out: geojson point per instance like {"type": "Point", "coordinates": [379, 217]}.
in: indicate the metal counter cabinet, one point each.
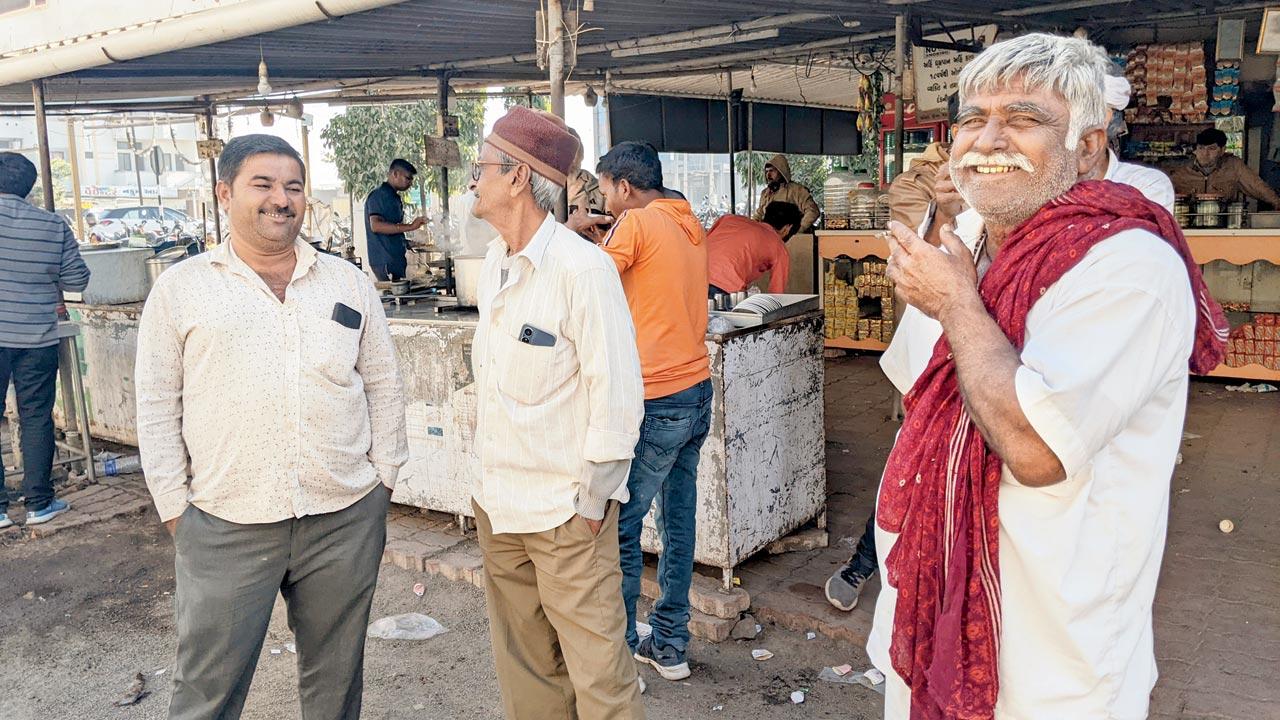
{"type": "Point", "coordinates": [763, 468]}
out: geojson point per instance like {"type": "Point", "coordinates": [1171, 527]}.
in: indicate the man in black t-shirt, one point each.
{"type": "Point", "coordinates": [384, 222]}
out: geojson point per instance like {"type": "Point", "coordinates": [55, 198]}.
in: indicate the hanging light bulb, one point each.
{"type": "Point", "coordinates": [590, 97]}
{"type": "Point", "coordinates": [264, 86]}
{"type": "Point", "coordinates": [266, 117]}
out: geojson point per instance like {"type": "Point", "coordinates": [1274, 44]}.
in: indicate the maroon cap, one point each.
{"type": "Point", "coordinates": [539, 139]}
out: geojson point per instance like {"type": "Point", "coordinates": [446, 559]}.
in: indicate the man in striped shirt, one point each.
{"type": "Point", "coordinates": [39, 258]}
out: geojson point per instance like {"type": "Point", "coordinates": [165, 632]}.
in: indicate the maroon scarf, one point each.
{"type": "Point", "coordinates": [940, 490]}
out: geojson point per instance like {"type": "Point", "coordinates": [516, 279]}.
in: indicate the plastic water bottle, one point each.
{"type": "Point", "coordinates": [118, 466]}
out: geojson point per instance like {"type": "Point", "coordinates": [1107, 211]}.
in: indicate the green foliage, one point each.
{"type": "Point", "coordinates": [808, 170]}
{"type": "Point", "coordinates": [63, 196]}
{"type": "Point", "coordinates": [540, 102]}
{"type": "Point", "coordinates": [364, 140]}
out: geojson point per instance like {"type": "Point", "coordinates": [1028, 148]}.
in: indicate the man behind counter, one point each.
{"type": "Point", "coordinates": [1212, 170]}
{"type": "Point", "coordinates": [740, 250]}
{"type": "Point", "coordinates": [384, 222]}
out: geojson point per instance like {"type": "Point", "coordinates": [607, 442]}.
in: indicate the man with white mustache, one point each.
{"type": "Point", "coordinates": [271, 425]}
{"type": "Point", "coordinates": [1022, 512]}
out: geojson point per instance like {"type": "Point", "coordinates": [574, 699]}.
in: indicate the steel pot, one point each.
{"type": "Point", "coordinates": [466, 278]}
{"type": "Point", "coordinates": [162, 261]}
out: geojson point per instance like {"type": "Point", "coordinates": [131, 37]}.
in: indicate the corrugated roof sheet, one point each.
{"type": "Point", "coordinates": [404, 40]}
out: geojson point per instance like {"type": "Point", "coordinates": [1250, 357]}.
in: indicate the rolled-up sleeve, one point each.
{"type": "Point", "coordinates": [379, 368]}
{"type": "Point", "coordinates": [1093, 362]}
{"type": "Point", "coordinates": [158, 382]}
{"type": "Point", "coordinates": [601, 328]}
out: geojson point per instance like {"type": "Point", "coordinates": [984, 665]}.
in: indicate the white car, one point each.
{"type": "Point", "coordinates": [148, 220]}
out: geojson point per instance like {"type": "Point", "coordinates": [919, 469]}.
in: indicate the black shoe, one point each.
{"type": "Point", "coordinates": [844, 587]}
{"type": "Point", "coordinates": [668, 661]}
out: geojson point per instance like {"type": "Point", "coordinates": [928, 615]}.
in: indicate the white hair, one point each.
{"type": "Point", "coordinates": [1072, 67]}
{"type": "Point", "coordinates": [546, 193]}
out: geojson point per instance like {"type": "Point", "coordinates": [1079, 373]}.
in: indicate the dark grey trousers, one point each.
{"type": "Point", "coordinates": [325, 566]}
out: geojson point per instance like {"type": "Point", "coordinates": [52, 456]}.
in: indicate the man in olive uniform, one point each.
{"type": "Point", "coordinates": [780, 188]}
{"type": "Point", "coordinates": [1212, 170]}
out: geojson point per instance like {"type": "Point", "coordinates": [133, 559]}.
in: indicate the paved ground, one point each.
{"type": "Point", "coordinates": [89, 607]}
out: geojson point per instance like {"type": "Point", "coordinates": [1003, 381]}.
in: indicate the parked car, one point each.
{"type": "Point", "coordinates": [151, 221]}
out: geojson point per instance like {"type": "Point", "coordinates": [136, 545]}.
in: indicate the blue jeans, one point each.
{"type": "Point", "coordinates": [34, 372]}
{"type": "Point", "coordinates": [665, 469]}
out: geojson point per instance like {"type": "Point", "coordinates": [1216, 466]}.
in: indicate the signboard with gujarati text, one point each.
{"type": "Point", "coordinates": [937, 72]}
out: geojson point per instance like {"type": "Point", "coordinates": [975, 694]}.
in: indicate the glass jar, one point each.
{"type": "Point", "coordinates": [862, 206]}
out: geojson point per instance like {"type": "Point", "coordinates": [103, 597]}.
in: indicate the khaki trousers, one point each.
{"type": "Point", "coordinates": [558, 623]}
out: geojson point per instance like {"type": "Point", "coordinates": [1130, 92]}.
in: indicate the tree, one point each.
{"type": "Point", "coordinates": [808, 170]}
{"type": "Point", "coordinates": [364, 140]}
{"type": "Point", "coordinates": [540, 102]}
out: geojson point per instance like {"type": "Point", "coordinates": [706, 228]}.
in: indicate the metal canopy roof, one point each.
{"type": "Point", "coordinates": [406, 45]}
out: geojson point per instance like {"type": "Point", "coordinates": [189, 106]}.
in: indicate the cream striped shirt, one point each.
{"type": "Point", "coordinates": [552, 419]}
{"type": "Point", "coordinates": [257, 410]}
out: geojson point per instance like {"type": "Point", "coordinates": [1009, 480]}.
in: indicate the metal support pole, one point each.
{"type": "Point", "coordinates": [73, 157]}
{"type": "Point", "coordinates": [306, 176]}
{"type": "Point", "coordinates": [442, 87]}
{"type": "Point", "coordinates": [555, 67]}
{"type": "Point", "coordinates": [751, 157]}
{"type": "Point", "coordinates": [136, 160]}
{"type": "Point", "coordinates": [733, 184]}
{"type": "Point", "coordinates": [42, 134]}
{"type": "Point", "coordinates": [211, 132]}
{"type": "Point", "coordinates": [900, 109]}
{"type": "Point", "coordinates": [555, 63]}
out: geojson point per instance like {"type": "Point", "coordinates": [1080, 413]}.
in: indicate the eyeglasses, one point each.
{"type": "Point", "coordinates": [476, 167]}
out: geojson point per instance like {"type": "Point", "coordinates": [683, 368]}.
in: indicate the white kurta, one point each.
{"type": "Point", "coordinates": [1151, 182]}
{"type": "Point", "coordinates": [1104, 382]}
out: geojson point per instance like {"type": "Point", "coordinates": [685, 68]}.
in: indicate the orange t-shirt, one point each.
{"type": "Point", "coordinates": [740, 250]}
{"type": "Point", "coordinates": [661, 254]}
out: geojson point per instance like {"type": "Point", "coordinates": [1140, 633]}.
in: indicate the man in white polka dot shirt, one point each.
{"type": "Point", "coordinates": [271, 425]}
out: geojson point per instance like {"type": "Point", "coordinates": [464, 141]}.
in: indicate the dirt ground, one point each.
{"type": "Point", "coordinates": [85, 610]}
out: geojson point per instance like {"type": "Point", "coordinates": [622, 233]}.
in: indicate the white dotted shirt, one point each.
{"type": "Point", "coordinates": [257, 410]}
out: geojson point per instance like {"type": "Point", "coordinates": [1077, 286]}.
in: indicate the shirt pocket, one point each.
{"type": "Point", "coordinates": [532, 374]}
{"type": "Point", "coordinates": [329, 348]}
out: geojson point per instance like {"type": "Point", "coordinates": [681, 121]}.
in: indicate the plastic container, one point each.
{"type": "Point", "coordinates": [862, 206]}
{"type": "Point", "coordinates": [835, 197]}
{"type": "Point", "coordinates": [118, 466]}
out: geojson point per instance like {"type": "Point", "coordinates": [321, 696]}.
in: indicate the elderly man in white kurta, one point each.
{"type": "Point", "coordinates": [1022, 512]}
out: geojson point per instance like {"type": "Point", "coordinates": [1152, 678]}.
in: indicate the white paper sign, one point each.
{"type": "Point", "coordinates": [937, 71]}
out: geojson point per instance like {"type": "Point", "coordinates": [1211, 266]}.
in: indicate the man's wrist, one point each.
{"type": "Point", "coordinates": [967, 303]}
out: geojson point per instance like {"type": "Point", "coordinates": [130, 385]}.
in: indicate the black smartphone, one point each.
{"type": "Point", "coordinates": [531, 335]}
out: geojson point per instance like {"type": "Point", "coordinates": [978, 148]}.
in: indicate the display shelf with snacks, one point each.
{"type": "Point", "coordinates": [1242, 269]}
{"type": "Point", "coordinates": [1168, 83]}
{"type": "Point", "coordinates": [857, 297]}
{"type": "Point", "coordinates": [1253, 350]}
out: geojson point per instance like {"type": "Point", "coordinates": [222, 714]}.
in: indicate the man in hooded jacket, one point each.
{"type": "Point", "coordinates": [780, 188]}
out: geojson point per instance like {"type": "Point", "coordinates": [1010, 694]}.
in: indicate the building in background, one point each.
{"type": "Point", "coordinates": [120, 159]}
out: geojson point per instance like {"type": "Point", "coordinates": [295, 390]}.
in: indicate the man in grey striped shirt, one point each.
{"type": "Point", "coordinates": [39, 258]}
